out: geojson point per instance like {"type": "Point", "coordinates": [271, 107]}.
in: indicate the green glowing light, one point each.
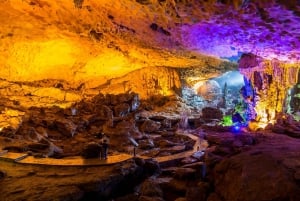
{"type": "Point", "coordinates": [227, 121]}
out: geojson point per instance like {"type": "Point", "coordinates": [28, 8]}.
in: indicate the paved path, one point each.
{"type": "Point", "coordinates": [182, 154]}
{"type": "Point", "coordinates": [67, 161]}
{"type": "Point", "coordinates": [79, 161]}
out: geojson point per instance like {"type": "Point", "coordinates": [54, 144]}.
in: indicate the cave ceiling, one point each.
{"type": "Point", "coordinates": [96, 40]}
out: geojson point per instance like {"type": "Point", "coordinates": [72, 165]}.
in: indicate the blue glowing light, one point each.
{"type": "Point", "coordinates": [236, 128]}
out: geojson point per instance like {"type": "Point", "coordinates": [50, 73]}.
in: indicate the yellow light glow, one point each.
{"type": "Point", "coordinates": [33, 60]}
{"type": "Point", "coordinates": [197, 85]}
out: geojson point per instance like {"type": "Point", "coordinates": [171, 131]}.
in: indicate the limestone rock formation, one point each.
{"type": "Point", "coordinates": [72, 70]}
{"type": "Point", "coordinates": [251, 175]}
{"type": "Point", "coordinates": [247, 166]}
{"type": "Point", "coordinates": [92, 42]}
{"type": "Point", "coordinates": [271, 81]}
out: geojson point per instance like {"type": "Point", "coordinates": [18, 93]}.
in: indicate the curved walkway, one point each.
{"type": "Point", "coordinates": [79, 161]}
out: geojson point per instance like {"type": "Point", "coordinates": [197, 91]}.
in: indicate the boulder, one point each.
{"type": "Point", "coordinates": [10, 122]}
{"type": "Point", "coordinates": [125, 98]}
{"type": "Point", "coordinates": [42, 131]}
{"type": "Point", "coordinates": [104, 112]}
{"type": "Point", "coordinates": [152, 167]}
{"type": "Point", "coordinates": [65, 127]}
{"type": "Point", "coordinates": [8, 131]}
{"type": "Point", "coordinates": [122, 110]}
{"type": "Point", "coordinates": [38, 147]}
{"type": "Point", "coordinates": [176, 187]}
{"type": "Point", "coordinates": [91, 150]}
{"type": "Point", "coordinates": [199, 192]}
{"type": "Point", "coordinates": [165, 143]}
{"type": "Point", "coordinates": [185, 173]}
{"type": "Point", "coordinates": [2, 174]}
{"type": "Point", "coordinates": [150, 126]}
{"type": "Point", "coordinates": [157, 118]}
{"type": "Point", "coordinates": [173, 150]}
{"type": "Point", "coordinates": [151, 188]}
{"type": "Point", "coordinates": [85, 107]}
{"type": "Point", "coordinates": [111, 99]}
{"type": "Point", "coordinates": [212, 113]}
{"type": "Point", "coordinates": [146, 144]}
{"type": "Point", "coordinates": [260, 172]}
{"type": "Point", "coordinates": [98, 99]}
{"type": "Point", "coordinates": [54, 151]}
{"type": "Point", "coordinates": [125, 128]}
{"type": "Point", "coordinates": [31, 134]}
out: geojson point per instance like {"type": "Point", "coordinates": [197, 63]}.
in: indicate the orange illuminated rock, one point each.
{"type": "Point", "coordinates": [271, 81]}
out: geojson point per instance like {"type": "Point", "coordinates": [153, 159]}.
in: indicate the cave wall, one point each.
{"type": "Point", "coordinates": [146, 82]}
{"type": "Point", "coordinates": [88, 42]}
{"type": "Point", "coordinates": [117, 46]}
{"type": "Point", "coordinates": [93, 41]}
{"type": "Point", "coordinates": [271, 80]}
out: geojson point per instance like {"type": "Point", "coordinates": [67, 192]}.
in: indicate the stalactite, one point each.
{"type": "Point", "coordinates": [271, 81]}
{"type": "Point", "coordinates": [78, 3]}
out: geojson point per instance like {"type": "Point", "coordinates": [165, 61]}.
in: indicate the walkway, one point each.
{"type": "Point", "coordinates": [79, 161]}
{"type": "Point", "coordinates": [67, 161]}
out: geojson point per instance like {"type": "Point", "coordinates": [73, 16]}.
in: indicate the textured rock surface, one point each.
{"type": "Point", "coordinates": [91, 43]}
{"type": "Point", "coordinates": [54, 54]}
{"type": "Point", "coordinates": [256, 172]}
{"type": "Point", "coordinates": [100, 40]}
{"type": "Point", "coordinates": [77, 130]}
{"type": "Point", "coordinates": [67, 183]}
{"type": "Point", "coordinates": [271, 81]}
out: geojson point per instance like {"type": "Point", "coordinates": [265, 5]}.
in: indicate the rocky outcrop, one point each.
{"type": "Point", "coordinates": [10, 122]}
{"type": "Point", "coordinates": [285, 124]}
{"type": "Point", "coordinates": [77, 130]}
{"type": "Point", "coordinates": [247, 171]}
{"type": "Point", "coordinates": [150, 126]}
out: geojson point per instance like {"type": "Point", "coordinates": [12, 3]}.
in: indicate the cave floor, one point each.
{"type": "Point", "coordinates": [80, 161]}
{"type": "Point", "coordinates": [232, 159]}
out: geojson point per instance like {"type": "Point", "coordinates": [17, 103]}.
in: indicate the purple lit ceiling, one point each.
{"type": "Point", "coordinates": [269, 30]}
